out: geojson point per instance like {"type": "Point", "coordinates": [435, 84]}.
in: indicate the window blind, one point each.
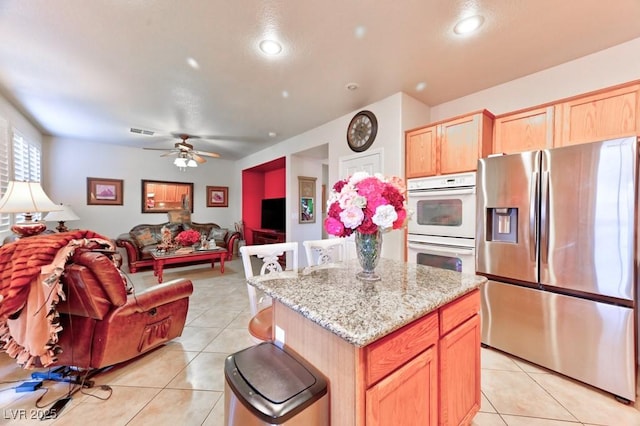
{"type": "Point", "coordinates": [5, 218]}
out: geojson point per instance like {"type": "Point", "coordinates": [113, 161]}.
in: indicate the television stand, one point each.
{"type": "Point", "coordinates": [268, 236]}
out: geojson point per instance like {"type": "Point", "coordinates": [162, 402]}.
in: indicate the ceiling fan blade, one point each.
{"type": "Point", "coordinates": [159, 149]}
{"type": "Point", "coordinates": [208, 154]}
{"type": "Point", "coordinates": [166, 154]}
{"type": "Point", "coordinates": [198, 158]}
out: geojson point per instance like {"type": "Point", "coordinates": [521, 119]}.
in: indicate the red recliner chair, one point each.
{"type": "Point", "coordinates": [102, 325]}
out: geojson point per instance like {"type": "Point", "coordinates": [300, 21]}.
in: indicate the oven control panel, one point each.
{"type": "Point", "coordinates": [445, 181]}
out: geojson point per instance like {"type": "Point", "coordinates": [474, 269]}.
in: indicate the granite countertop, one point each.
{"type": "Point", "coordinates": [361, 312]}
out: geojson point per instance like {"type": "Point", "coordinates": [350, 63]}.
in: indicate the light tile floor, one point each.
{"type": "Point", "coordinates": [182, 383]}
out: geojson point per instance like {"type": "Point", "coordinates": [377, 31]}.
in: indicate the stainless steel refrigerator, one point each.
{"type": "Point", "coordinates": [556, 235]}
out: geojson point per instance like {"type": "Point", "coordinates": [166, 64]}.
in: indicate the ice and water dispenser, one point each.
{"type": "Point", "coordinates": [502, 224]}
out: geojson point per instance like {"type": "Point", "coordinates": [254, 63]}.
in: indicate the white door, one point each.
{"type": "Point", "coordinates": [370, 162]}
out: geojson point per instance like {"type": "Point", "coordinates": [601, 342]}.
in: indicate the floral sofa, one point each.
{"type": "Point", "coordinates": [142, 239]}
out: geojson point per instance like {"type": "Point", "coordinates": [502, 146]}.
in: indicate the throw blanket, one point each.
{"type": "Point", "coordinates": [30, 269]}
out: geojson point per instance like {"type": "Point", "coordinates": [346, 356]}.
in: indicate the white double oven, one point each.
{"type": "Point", "coordinates": [442, 228]}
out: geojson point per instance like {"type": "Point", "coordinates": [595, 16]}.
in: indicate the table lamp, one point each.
{"type": "Point", "coordinates": [26, 198]}
{"type": "Point", "coordinates": [62, 216]}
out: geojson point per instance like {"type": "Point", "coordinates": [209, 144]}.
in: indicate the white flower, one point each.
{"type": "Point", "coordinates": [357, 177]}
{"type": "Point", "coordinates": [352, 217]}
{"type": "Point", "coordinates": [384, 216]}
{"type": "Point", "coordinates": [352, 199]}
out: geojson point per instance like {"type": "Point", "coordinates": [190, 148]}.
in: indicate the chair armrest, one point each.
{"type": "Point", "coordinates": [231, 239]}
{"type": "Point", "coordinates": [157, 295]}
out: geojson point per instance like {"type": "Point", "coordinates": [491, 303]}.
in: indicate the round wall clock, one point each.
{"type": "Point", "coordinates": [362, 131]}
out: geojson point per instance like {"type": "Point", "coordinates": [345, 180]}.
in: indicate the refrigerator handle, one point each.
{"type": "Point", "coordinates": [533, 209]}
{"type": "Point", "coordinates": [544, 219]}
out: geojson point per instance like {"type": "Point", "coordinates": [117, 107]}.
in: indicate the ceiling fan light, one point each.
{"type": "Point", "coordinates": [192, 163]}
{"type": "Point", "coordinates": [180, 162]}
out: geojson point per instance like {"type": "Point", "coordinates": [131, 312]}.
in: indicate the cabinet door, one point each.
{"type": "Point", "coordinates": [524, 131]}
{"type": "Point", "coordinates": [421, 152]}
{"type": "Point", "coordinates": [459, 359]}
{"type": "Point", "coordinates": [604, 115]}
{"type": "Point", "coordinates": [171, 193]}
{"type": "Point", "coordinates": [408, 396]}
{"type": "Point", "coordinates": [459, 144]}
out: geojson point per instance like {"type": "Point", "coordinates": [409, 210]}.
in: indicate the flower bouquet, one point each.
{"type": "Point", "coordinates": [188, 237]}
{"type": "Point", "coordinates": [367, 205]}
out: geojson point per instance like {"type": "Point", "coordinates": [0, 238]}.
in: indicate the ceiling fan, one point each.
{"type": "Point", "coordinates": [187, 156]}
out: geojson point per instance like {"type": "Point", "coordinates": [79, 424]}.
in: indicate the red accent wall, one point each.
{"type": "Point", "coordinates": [274, 184]}
{"type": "Point", "coordinates": [263, 181]}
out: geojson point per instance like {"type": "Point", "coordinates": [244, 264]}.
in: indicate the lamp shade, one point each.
{"type": "Point", "coordinates": [26, 197]}
{"type": "Point", "coordinates": [64, 215]}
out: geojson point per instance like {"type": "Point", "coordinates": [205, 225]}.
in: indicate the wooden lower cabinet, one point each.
{"type": "Point", "coordinates": [425, 373]}
{"type": "Point", "coordinates": [460, 373]}
{"type": "Point", "coordinates": [408, 396]}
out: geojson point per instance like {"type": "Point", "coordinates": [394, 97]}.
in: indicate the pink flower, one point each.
{"type": "Point", "coordinates": [333, 226]}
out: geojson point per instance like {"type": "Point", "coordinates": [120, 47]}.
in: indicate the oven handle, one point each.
{"type": "Point", "coordinates": [441, 249]}
{"type": "Point", "coordinates": [440, 192]}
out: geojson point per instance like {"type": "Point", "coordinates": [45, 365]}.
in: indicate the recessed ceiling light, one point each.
{"type": "Point", "coordinates": [193, 63]}
{"type": "Point", "coordinates": [285, 94]}
{"type": "Point", "coordinates": [421, 86]}
{"type": "Point", "coordinates": [272, 134]}
{"type": "Point", "coordinates": [270, 47]}
{"type": "Point", "coordinates": [352, 86]}
{"type": "Point", "coordinates": [360, 31]}
{"type": "Point", "coordinates": [468, 25]}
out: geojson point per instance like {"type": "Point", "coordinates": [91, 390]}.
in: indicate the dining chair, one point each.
{"type": "Point", "coordinates": [324, 252]}
{"type": "Point", "coordinates": [261, 323]}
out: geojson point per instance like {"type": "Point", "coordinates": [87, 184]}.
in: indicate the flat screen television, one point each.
{"type": "Point", "coordinates": [273, 214]}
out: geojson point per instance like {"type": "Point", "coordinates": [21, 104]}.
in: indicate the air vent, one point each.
{"type": "Point", "coordinates": [142, 132]}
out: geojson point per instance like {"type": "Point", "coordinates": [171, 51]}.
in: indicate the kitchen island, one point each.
{"type": "Point", "coordinates": [404, 350]}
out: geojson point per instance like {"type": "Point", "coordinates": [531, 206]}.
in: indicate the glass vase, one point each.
{"type": "Point", "coordinates": [368, 248]}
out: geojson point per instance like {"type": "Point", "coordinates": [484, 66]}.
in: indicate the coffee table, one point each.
{"type": "Point", "coordinates": [161, 259]}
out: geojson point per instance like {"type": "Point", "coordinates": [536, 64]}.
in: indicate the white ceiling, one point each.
{"type": "Point", "coordinates": [94, 69]}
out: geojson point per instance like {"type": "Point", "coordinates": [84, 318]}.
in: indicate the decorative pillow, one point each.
{"type": "Point", "coordinates": [179, 216]}
{"type": "Point", "coordinates": [144, 237]}
{"type": "Point", "coordinates": [175, 229]}
{"type": "Point", "coordinates": [218, 234]}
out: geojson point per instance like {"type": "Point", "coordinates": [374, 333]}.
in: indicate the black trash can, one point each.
{"type": "Point", "coordinates": [266, 385]}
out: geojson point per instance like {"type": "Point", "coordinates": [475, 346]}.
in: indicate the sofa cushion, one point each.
{"type": "Point", "coordinates": [218, 234]}
{"type": "Point", "coordinates": [143, 237]}
{"type": "Point", "coordinates": [175, 229]}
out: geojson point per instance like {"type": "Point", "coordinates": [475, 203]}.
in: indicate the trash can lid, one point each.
{"type": "Point", "coordinates": [272, 383]}
{"type": "Point", "coordinates": [273, 373]}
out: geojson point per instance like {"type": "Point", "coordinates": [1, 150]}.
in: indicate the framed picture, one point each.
{"type": "Point", "coordinates": [307, 204]}
{"type": "Point", "coordinates": [160, 196]}
{"type": "Point", "coordinates": [217, 196]}
{"type": "Point", "coordinates": [104, 192]}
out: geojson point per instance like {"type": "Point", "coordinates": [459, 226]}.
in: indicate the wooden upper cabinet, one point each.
{"type": "Point", "coordinates": [523, 131]}
{"type": "Point", "coordinates": [420, 151]}
{"type": "Point", "coordinates": [607, 114]}
{"type": "Point", "coordinates": [463, 141]}
{"type": "Point", "coordinates": [451, 146]}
